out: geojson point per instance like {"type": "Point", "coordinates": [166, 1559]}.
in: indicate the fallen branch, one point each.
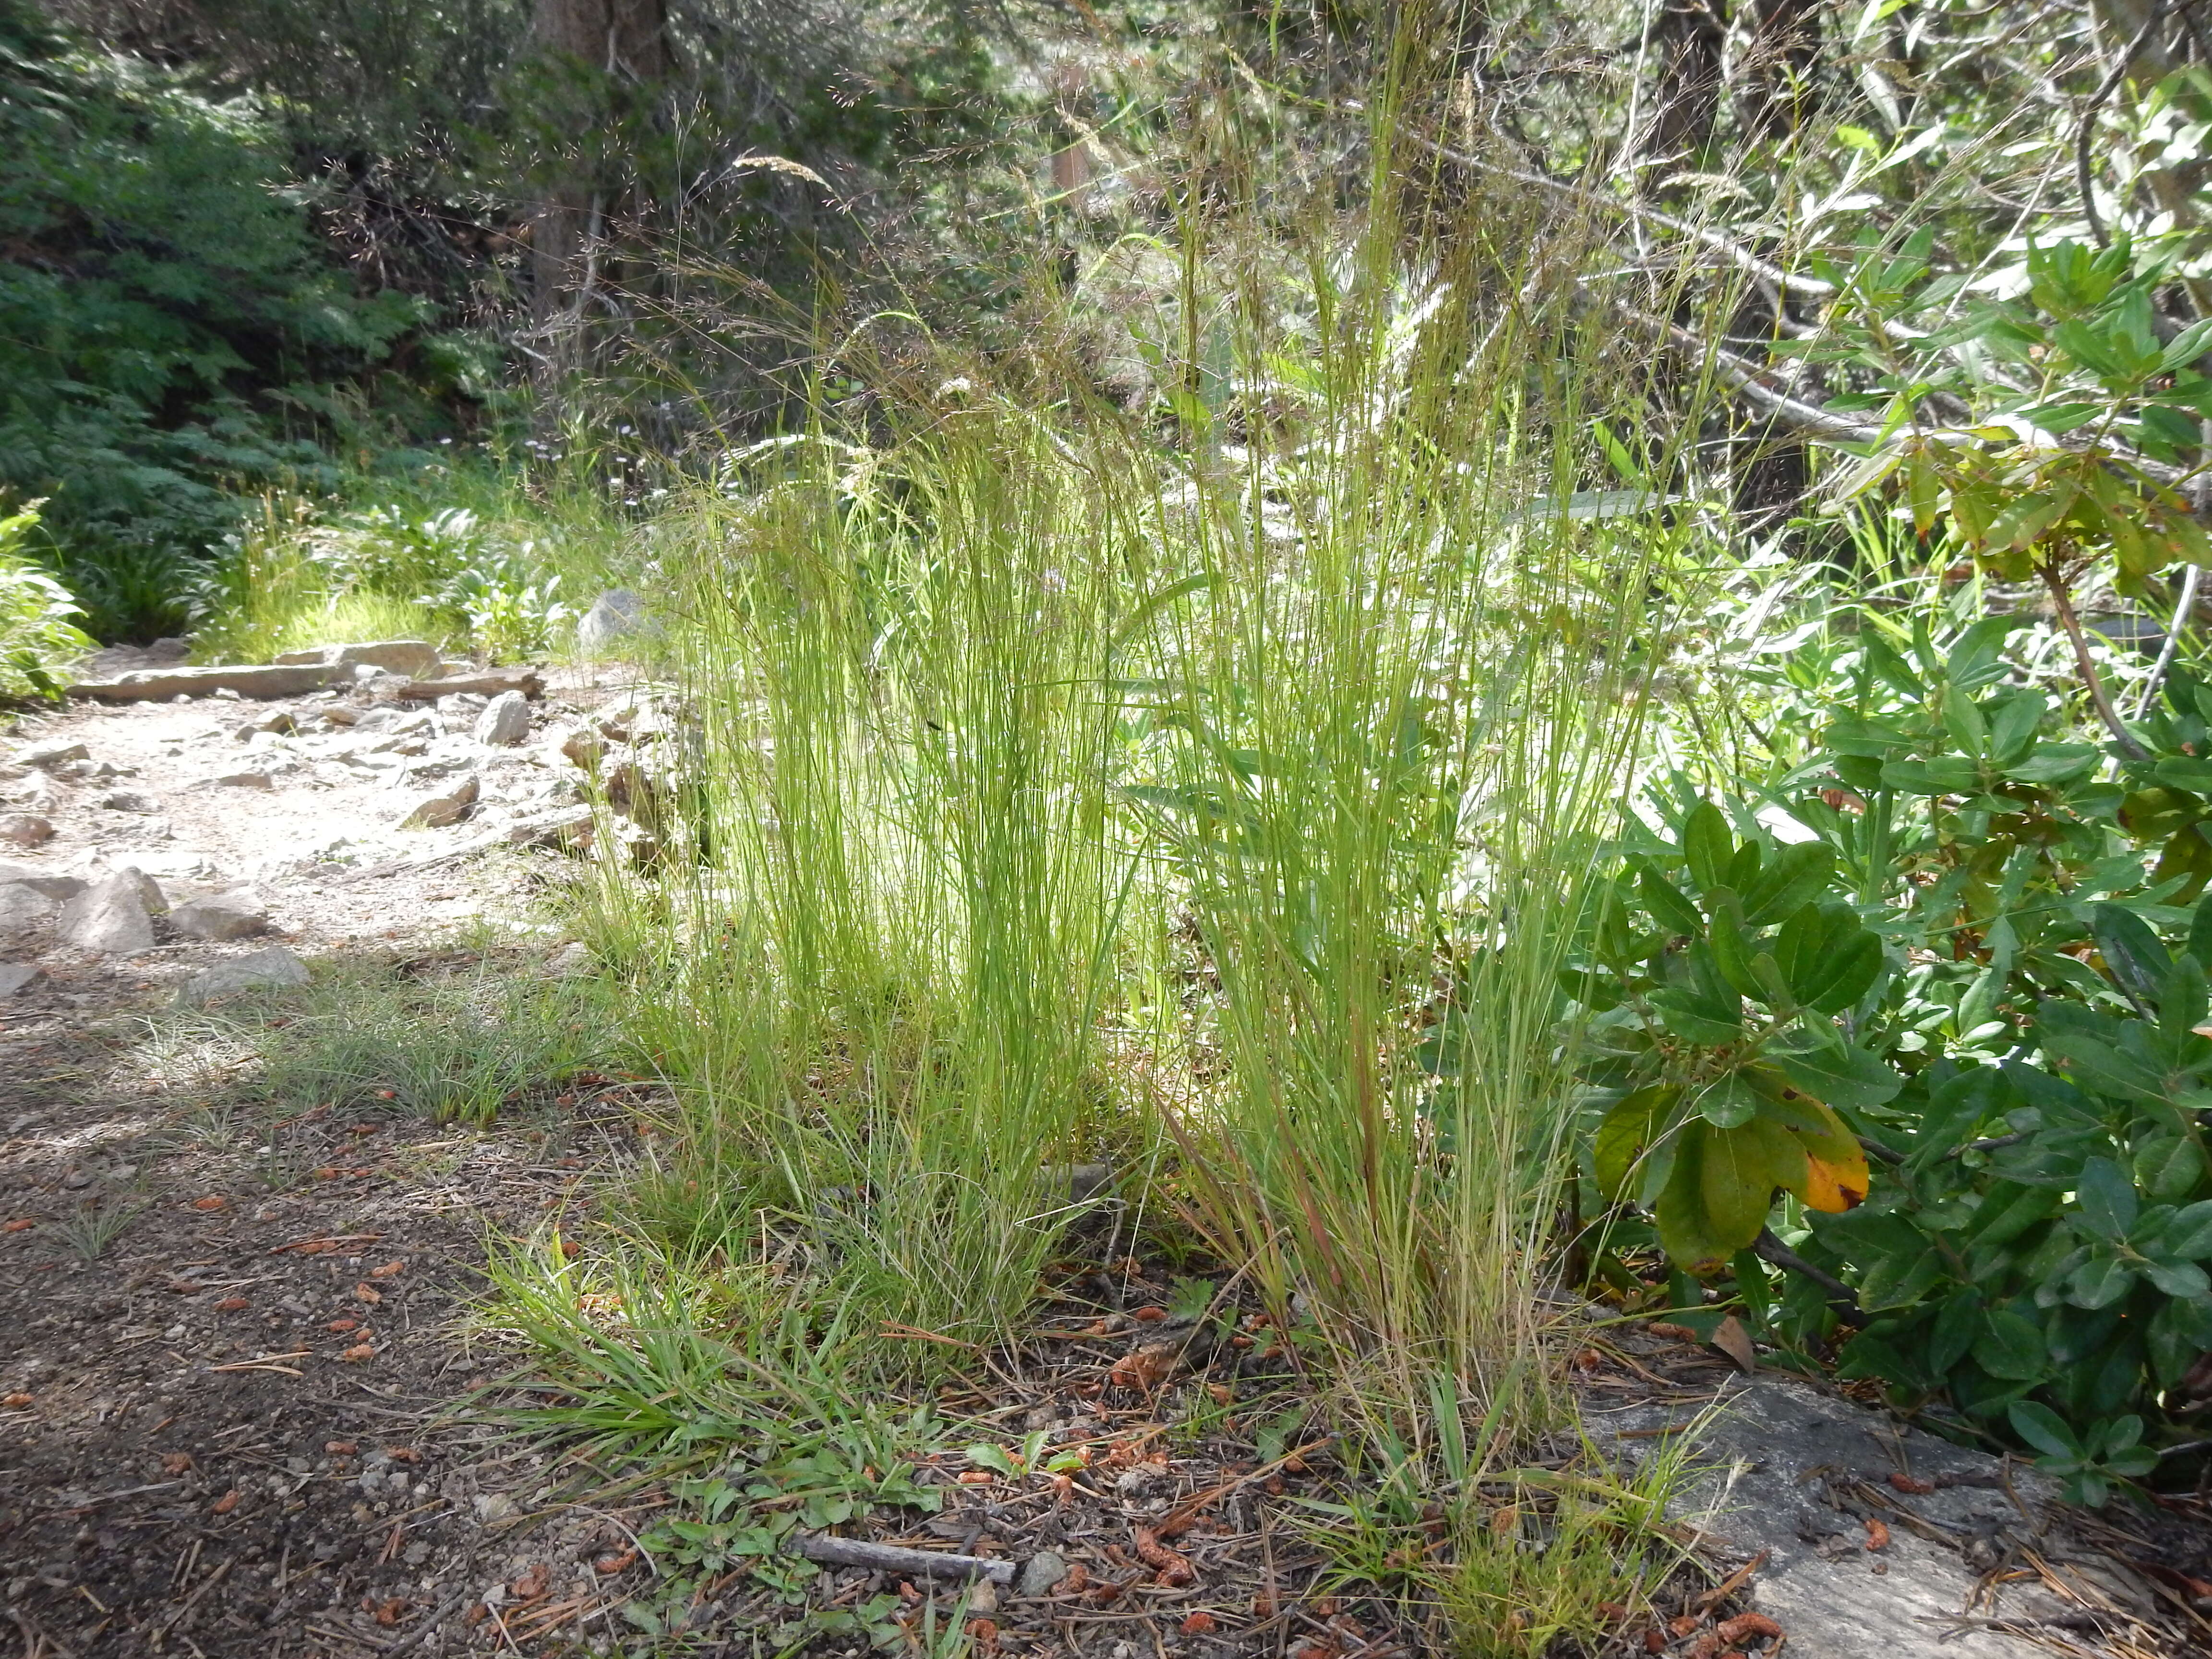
{"type": "Point", "coordinates": [893, 1558]}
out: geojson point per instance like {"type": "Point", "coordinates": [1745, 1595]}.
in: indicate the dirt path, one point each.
{"type": "Point", "coordinates": [226, 1339]}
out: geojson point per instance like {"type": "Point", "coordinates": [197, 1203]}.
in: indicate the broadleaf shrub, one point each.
{"type": "Point", "coordinates": [1942, 990]}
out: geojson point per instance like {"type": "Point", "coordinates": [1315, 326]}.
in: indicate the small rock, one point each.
{"type": "Point", "coordinates": [240, 913]}
{"type": "Point", "coordinates": [15, 976]}
{"type": "Point", "coordinates": [570, 960]}
{"type": "Point", "coordinates": [505, 720]}
{"type": "Point", "coordinates": [111, 915]}
{"type": "Point", "coordinates": [461, 705]}
{"type": "Point", "coordinates": [567, 831]}
{"type": "Point", "coordinates": [380, 718]}
{"type": "Point", "coordinates": [47, 755]}
{"type": "Point", "coordinates": [491, 1506]}
{"type": "Point", "coordinates": [246, 780]}
{"type": "Point", "coordinates": [273, 968]}
{"type": "Point", "coordinates": [616, 614]}
{"type": "Point", "coordinates": [439, 811]}
{"type": "Point", "coordinates": [584, 747]}
{"type": "Point", "coordinates": [25, 829]}
{"type": "Point", "coordinates": [1041, 1574]}
{"type": "Point", "coordinates": [127, 800]}
{"type": "Point", "coordinates": [23, 908]}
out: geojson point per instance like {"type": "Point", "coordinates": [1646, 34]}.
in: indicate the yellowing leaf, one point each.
{"type": "Point", "coordinates": [1834, 1187]}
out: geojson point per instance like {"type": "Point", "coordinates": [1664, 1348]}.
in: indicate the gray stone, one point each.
{"type": "Point", "coordinates": [24, 908]}
{"type": "Point", "coordinates": [408, 656]}
{"type": "Point", "coordinates": [25, 829]}
{"type": "Point", "coordinates": [160, 685]}
{"type": "Point", "coordinates": [246, 780]}
{"type": "Point", "coordinates": [440, 811]}
{"type": "Point", "coordinates": [239, 914]}
{"type": "Point", "coordinates": [149, 891]}
{"type": "Point", "coordinates": [618, 614]}
{"type": "Point", "coordinates": [273, 968]}
{"type": "Point", "coordinates": [18, 976]}
{"type": "Point", "coordinates": [129, 800]}
{"type": "Point", "coordinates": [1041, 1574]}
{"type": "Point", "coordinates": [48, 755]}
{"type": "Point", "coordinates": [1780, 1461]}
{"type": "Point", "coordinates": [505, 720]}
{"type": "Point", "coordinates": [110, 916]}
{"type": "Point", "coordinates": [53, 884]}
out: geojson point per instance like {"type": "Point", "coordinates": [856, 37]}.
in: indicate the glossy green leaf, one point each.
{"type": "Point", "coordinates": [2011, 1346]}
{"type": "Point", "coordinates": [2044, 1429]}
{"type": "Point", "coordinates": [1853, 1078]}
{"type": "Point", "coordinates": [2107, 1199]}
{"type": "Point", "coordinates": [1708, 844]}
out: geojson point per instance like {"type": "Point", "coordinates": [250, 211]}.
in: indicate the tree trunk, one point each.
{"type": "Point", "coordinates": [627, 41]}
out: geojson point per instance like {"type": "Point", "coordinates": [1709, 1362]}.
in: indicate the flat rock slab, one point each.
{"type": "Point", "coordinates": [160, 685]}
{"type": "Point", "coordinates": [489, 683]}
{"type": "Point", "coordinates": [395, 656]}
{"type": "Point", "coordinates": [1791, 1469]}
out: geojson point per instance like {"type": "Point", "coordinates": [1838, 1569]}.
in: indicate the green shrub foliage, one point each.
{"type": "Point", "coordinates": [1981, 949]}
{"type": "Point", "coordinates": [170, 328]}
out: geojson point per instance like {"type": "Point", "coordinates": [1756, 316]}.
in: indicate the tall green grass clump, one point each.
{"type": "Point", "coordinates": [1210, 782]}
{"type": "Point", "coordinates": [884, 980]}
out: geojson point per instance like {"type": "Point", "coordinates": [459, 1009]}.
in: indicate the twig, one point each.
{"type": "Point", "coordinates": [36, 1642]}
{"type": "Point", "coordinates": [2082, 134]}
{"type": "Point", "coordinates": [1734, 251]}
{"type": "Point", "coordinates": [2184, 611]}
{"type": "Point", "coordinates": [891, 1557]}
{"type": "Point", "coordinates": [205, 1584]}
{"type": "Point", "coordinates": [1841, 1298]}
{"type": "Point", "coordinates": [451, 1606]}
{"type": "Point", "coordinates": [2065, 604]}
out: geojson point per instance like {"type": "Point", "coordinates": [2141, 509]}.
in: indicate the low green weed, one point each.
{"type": "Point", "coordinates": [747, 1394]}
{"type": "Point", "coordinates": [451, 1045]}
{"type": "Point", "coordinates": [38, 638]}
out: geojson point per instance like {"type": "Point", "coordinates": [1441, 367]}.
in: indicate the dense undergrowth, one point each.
{"type": "Point", "coordinates": [1305, 751]}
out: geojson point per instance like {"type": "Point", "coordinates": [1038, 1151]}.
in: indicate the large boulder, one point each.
{"type": "Point", "coordinates": [113, 916]}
